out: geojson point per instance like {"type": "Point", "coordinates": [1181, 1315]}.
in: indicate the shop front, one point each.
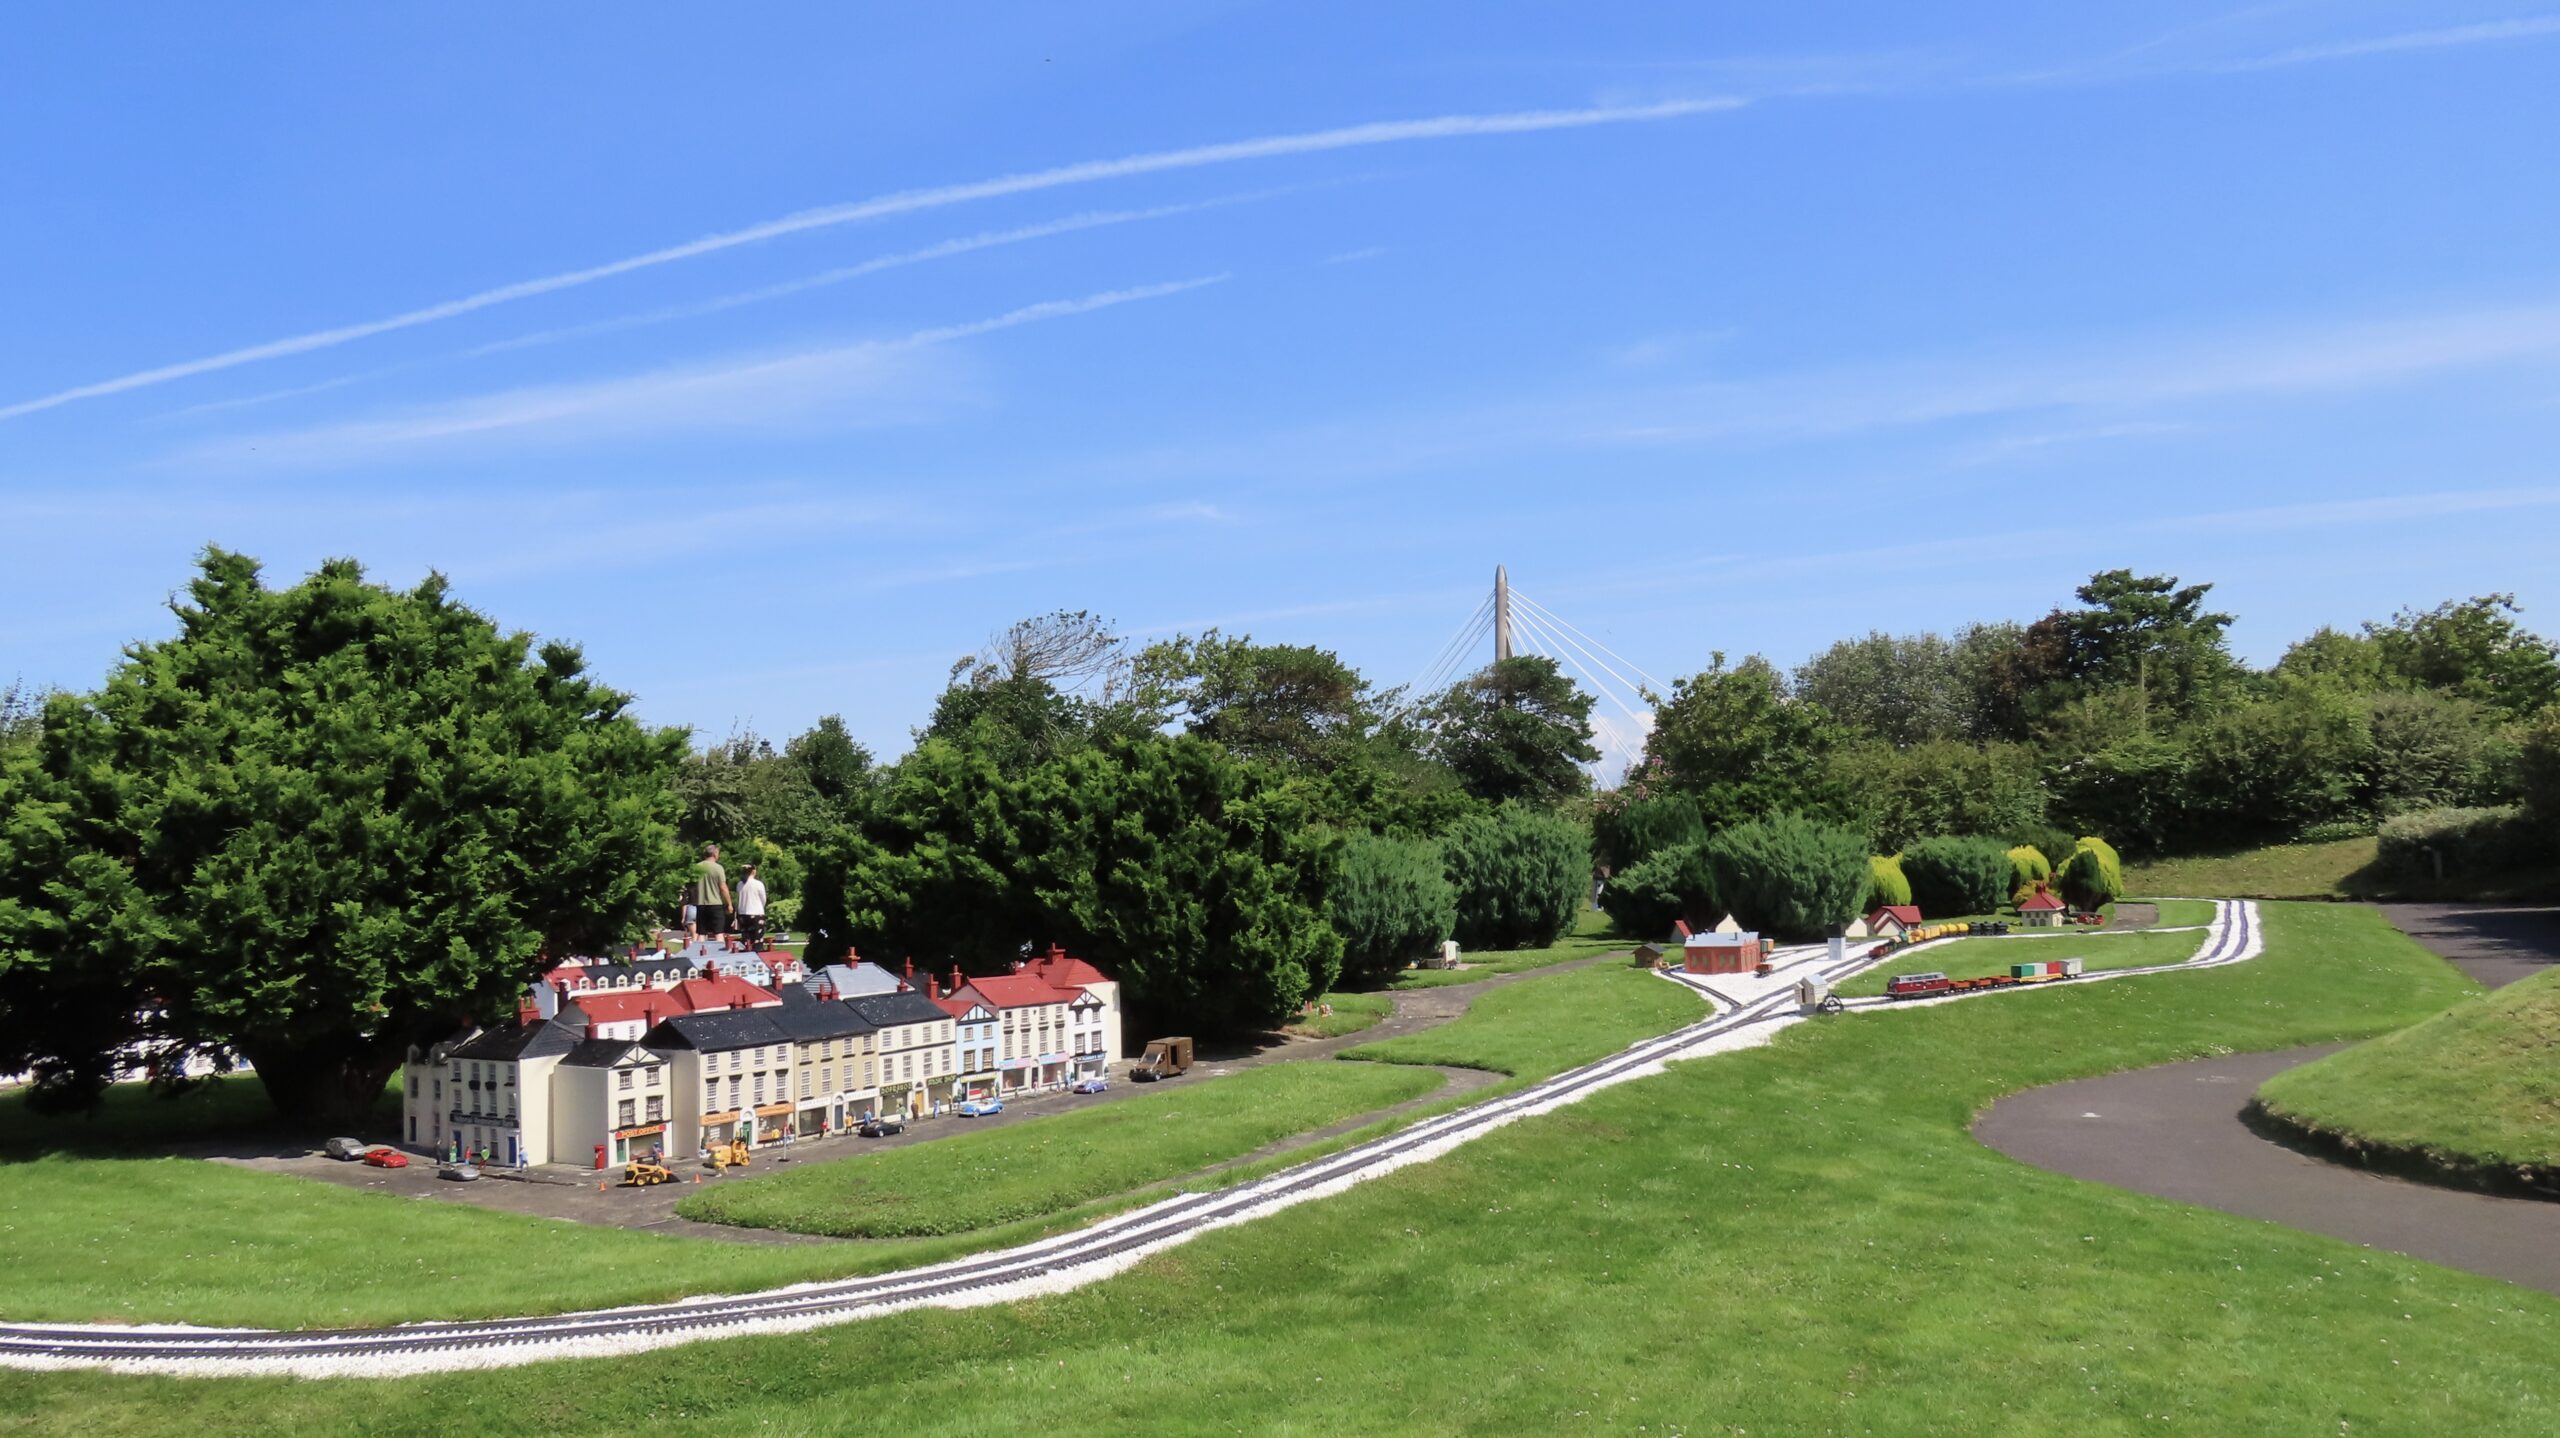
{"type": "Point", "coordinates": [1018, 1074]}
{"type": "Point", "coordinates": [719, 1128]}
{"type": "Point", "coordinates": [977, 1085]}
{"type": "Point", "coordinates": [1091, 1065]}
{"type": "Point", "coordinates": [643, 1142]}
{"type": "Point", "coordinates": [1053, 1070]}
{"type": "Point", "coordinates": [810, 1122]}
{"type": "Point", "coordinates": [773, 1121]}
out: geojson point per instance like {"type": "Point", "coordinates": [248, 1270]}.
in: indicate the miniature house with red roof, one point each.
{"type": "Point", "coordinates": [2040, 910]}
{"type": "Point", "coordinates": [1886, 921]}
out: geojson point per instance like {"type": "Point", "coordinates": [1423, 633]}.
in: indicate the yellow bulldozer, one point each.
{"type": "Point", "coordinates": [641, 1173]}
{"type": "Point", "coordinates": [733, 1155]}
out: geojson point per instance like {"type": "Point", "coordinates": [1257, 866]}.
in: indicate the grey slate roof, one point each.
{"type": "Point", "coordinates": [857, 980]}
{"type": "Point", "coordinates": [890, 1010]}
{"type": "Point", "coordinates": [718, 1031]}
{"type": "Point", "coordinates": [818, 1019]}
{"type": "Point", "coordinates": [547, 1039]}
{"type": "Point", "coordinates": [601, 1053]}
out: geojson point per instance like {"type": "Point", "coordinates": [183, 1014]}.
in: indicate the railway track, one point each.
{"type": "Point", "coordinates": [1047, 1266]}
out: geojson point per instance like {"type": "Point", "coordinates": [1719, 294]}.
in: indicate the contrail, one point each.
{"type": "Point", "coordinates": [1388, 132]}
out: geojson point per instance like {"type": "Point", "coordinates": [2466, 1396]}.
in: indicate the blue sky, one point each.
{"type": "Point", "coordinates": [779, 357]}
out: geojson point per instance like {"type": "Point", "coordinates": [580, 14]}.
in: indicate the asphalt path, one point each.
{"type": "Point", "coordinates": [2496, 944]}
{"type": "Point", "coordinates": [2176, 1131]}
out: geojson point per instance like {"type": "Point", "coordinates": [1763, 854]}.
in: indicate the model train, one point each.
{"type": "Point", "coordinates": [1974, 928]}
{"type": "Point", "coordinates": [1921, 986]}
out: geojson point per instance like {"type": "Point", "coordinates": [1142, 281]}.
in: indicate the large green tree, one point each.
{"type": "Point", "coordinates": [2476, 650]}
{"type": "Point", "coordinates": [1391, 902]}
{"type": "Point", "coordinates": [1734, 740]}
{"type": "Point", "coordinates": [1519, 875]}
{"type": "Point", "coordinates": [1196, 880]}
{"type": "Point", "coordinates": [1909, 689]}
{"type": "Point", "coordinates": [319, 825]}
{"type": "Point", "coordinates": [1288, 703]}
{"type": "Point", "coordinates": [1518, 728]}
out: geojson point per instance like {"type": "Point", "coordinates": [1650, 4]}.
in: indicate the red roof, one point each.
{"type": "Point", "coordinates": [1018, 991]}
{"type": "Point", "coordinates": [608, 1006]}
{"type": "Point", "coordinates": [1059, 970]}
{"type": "Point", "coordinates": [1907, 913]}
{"type": "Point", "coordinates": [724, 991]}
{"type": "Point", "coordinates": [2040, 901]}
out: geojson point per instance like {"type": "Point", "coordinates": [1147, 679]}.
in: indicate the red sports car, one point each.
{"type": "Point", "coordinates": [386, 1158]}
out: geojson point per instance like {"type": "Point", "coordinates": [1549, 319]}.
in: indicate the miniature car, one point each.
{"type": "Point", "coordinates": [346, 1149]}
{"type": "Point", "coordinates": [460, 1172]}
{"type": "Point", "coordinates": [386, 1157]}
{"type": "Point", "coordinates": [1092, 1083]}
{"type": "Point", "coordinates": [881, 1126]}
{"type": "Point", "coordinates": [981, 1108]}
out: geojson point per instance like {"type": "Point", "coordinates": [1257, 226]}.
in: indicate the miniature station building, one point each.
{"type": "Point", "coordinates": [2040, 910]}
{"type": "Point", "coordinates": [1728, 948]}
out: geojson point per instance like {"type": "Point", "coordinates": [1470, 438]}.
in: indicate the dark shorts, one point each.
{"type": "Point", "coordinates": [751, 929]}
{"type": "Point", "coordinates": [711, 918]}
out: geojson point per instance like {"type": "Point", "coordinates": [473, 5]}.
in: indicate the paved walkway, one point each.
{"type": "Point", "coordinates": [2494, 943]}
{"type": "Point", "coordinates": [2176, 1131]}
{"type": "Point", "coordinates": [572, 1194]}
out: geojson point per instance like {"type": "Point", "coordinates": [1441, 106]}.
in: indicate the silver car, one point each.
{"type": "Point", "coordinates": [346, 1149]}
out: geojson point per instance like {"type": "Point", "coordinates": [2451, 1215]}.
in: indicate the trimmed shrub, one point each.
{"type": "Point", "coordinates": [1391, 902]}
{"type": "Point", "coordinates": [1518, 874]}
{"type": "Point", "coordinates": [1647, 897]}
{"type": "Point", "coordinates": [1624, 835]}
{"type": "Point", "coordinates": [2538, 770]}
{"type": "Point", "coordinates": [1789, 877]}
{"type": "Point", "coordinates": [1951, 875]}
{"type": "Point", "coordinates": [2450, 843]}
{"type": "Point", "coordinates": [1885, 882]}
{"type": "Point", "coordinates": [2332, 830]}
{"type": "Point", "coordinates": [2092, 877]}
{"type": "Point", "coordinates": [2052, 844]}
{"type": "Point", "coordinates": [2029, 869]}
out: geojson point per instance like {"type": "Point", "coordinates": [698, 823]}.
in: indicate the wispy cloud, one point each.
{"type": "Point", "coordinates": [1389, 132]}
{"type": "Point", "coordinates": [738, 393]}
{"type": "Point", "coordinates": [2493, 32]}
{"type": "Point", "coordinates": [947, 249]}
{"type": "Point", "coordinates": [2101, 383]}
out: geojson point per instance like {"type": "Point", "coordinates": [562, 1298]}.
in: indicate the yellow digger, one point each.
{"type": "Point", "coordinates": [641, 1173]}
{"type": "Point", "coordinates": [735, 1155]}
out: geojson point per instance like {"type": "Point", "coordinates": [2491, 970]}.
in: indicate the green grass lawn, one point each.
{"type": "Point", "coordinates": [1544, 1026]}
{"type": "Point", "coordinates": [2279, 871]}
{"type": "Point", "coordinates": [1589, 934]}
{"type": "Point", "coordinates": [1351, 1013]}
{"type": "Point", "coordinates": [2478, 1083]}
{"type": "Point", "coordinates": [1047, 1165]}
{"type": "Point", "coordinates": [1973, 958]}
{"type": "Point", "coordinates": [1819, 1203]}
{"type": "Point", "coordinates": [2180, 913]}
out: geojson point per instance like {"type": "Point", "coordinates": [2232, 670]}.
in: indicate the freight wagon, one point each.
{"type": "Point", "coordinates": [1920, 986]}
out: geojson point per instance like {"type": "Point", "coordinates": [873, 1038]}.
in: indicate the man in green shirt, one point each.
{"type": "Point", "coordinates": [711, 894]}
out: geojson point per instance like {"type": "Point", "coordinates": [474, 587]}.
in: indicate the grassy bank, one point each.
{"type": "Point", "coordinates": [1822, 1193]}
{"type": "Point", "coordinates": [1590, 934]}
{"type": "Point", "coordinates": [1973, 958]}
{"type": "Point", "coordinates": [2181, 913]}
{"type": "Point", "coordinates": [2474, 1090]}
{"type": "Point", "coordinates": [2279, 871]}
{"type": "Point", "coordinates": [1545, 1026]}
{"type": "Point", "coordinates": [1351, 1013]}
{"type": "Point", "coordinates": [1047, 1165]}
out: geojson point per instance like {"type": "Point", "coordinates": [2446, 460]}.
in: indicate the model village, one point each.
{"type": "Point", "coordinates": [711, 1049]}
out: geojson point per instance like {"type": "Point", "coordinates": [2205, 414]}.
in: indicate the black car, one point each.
{"type": "Point", "coordinates": [881, 1126]}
